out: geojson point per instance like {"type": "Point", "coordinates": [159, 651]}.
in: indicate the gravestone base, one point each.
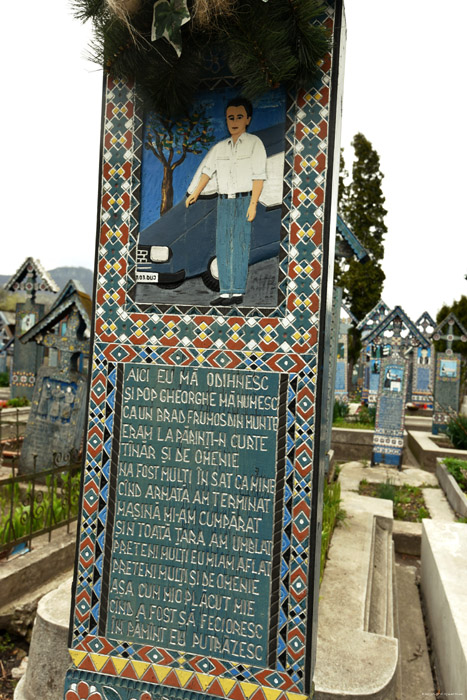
{"type": "Point", "coordinates": [48, 654]}
{"type": "Point", "coordinates": [56, 419]}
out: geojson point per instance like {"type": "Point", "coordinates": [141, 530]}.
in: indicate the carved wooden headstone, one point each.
{"type": "Point", "coordinates": [199, 535]}
{"type": "Point", "coordinates": [447, 373]}
{"type": "Point", "coordinates": [56, 420]}
{"type": "Point", "coordinates": [388, 439]}
{"type": "Point", "coordinates": [30, 278]}
{"type": "Point", "coordinates": [423, 365]}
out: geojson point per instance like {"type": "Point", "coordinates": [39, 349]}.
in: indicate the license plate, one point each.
{"type": "Point", "coordinates": [147, 276]}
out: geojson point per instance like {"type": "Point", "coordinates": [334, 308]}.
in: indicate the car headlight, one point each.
{"type": "Point", "coordinates": [159, 253]}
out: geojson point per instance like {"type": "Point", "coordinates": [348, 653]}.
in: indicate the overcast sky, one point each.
{"type": "Point", "coordinates": [404, 90]}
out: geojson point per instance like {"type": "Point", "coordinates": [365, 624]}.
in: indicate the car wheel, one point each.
{"type": "Point", "coordinates": [169, 285]}
{"type": "Point", "coordinates": [211, 276]}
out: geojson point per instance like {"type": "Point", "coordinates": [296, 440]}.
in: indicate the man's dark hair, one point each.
{"type": "Point", "coordinates": [241, 102]}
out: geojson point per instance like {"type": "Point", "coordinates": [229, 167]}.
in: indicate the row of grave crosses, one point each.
{"type": "Point", "coordinates": [49, 364]}
{"type": "Point", "coordinates": [432, 380]}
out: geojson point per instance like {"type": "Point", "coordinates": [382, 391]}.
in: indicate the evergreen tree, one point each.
{"type": "Point", "coordinates": [361, 206]}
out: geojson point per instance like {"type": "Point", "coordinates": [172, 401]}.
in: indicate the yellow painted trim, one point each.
{"type": "Point", "coordinates": [248, 688]}
{"type": "Point", "coordinates": [98, 660]}
{"type": "Point", "coordinates": [119, 662]}
{"type": "Point", "coordinates": [226, 684]}
{"type": "Point", "coordinates": [297, 696]}
{"type": "Point", "coordinates": [161, 671]}
{"type": "Point", "coordinates": [271, 693]}
{"type": "Point", "coordinates": [140, 667]}
{"type": "Point", "coordinates": [77, 656]}
{"type": "Point", "coordinates": [204, 679]}
{"type": "Point", "coordinates": [183, 675]}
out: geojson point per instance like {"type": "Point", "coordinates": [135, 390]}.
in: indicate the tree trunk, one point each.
{"type": "Point", "coordinates": [167, 193]}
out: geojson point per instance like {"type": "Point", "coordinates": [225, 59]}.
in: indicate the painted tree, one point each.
{"type": "Point", "coordinates": [171, 141]}
{"type": "Point", "coordinates": [361, 205]}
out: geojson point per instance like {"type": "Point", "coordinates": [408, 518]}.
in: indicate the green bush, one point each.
{"type": "Point", "coordinates": [386, 490]}
{"type": "Point", "coordinates": [18, 402]}
{"type": "Point", "coordinates": [458, 469]}
{"type": "Point", "coordinates": [457, 432]}
{"type": "Point", "coordinates": [4, 379]}
{"type": "Point", "coordinates": [367, 415]}
{"type": "Point", "coordinates": [341, 410]}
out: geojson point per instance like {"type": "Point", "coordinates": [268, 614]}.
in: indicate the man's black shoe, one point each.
{"type": "Point", "coordinates": [220, 301]}
{"type": "Point", "coordinates": [233, 301]}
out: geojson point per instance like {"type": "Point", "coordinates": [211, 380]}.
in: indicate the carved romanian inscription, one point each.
{"type": "Point", "coordinates": [195, 480]}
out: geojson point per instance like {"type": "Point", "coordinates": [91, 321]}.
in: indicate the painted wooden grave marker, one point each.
{"type": "Point", "coordinates": [447, 373]}
{"type": "Point", "coordinates": [30, 278]}
{"type": "Point", "coordinates": [199, 538]}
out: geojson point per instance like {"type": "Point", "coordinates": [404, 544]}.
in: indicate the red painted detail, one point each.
{"type": "Point", "coordinates": [272, 346]}
{"type": "Point", "coordinates": [318, 233]}
{"type": "Point", "coordinates": [315, 269]}
{"type": "Point", "coordinates": [199, 343]}
{"type": "Point", "coordinates": [128, 140]}
{"type": "Point", "coordinates": [323, 130]}
{"type": "Point", "coordinates": [87, 665]}
{"type": "Point", "coordinates": [235, 345]}
{"type": "Point", "coordinates": [194, 684]}
{"type": "Point", "coordinates": [264, 322]}
{"type": "Point", "coordinates": [143, 654]}
{"type": "Point", "coordinates": [324, 91]}
{"type": "Point", "coordinates": [103, 234]}
{"type": "Point", "coordinates": [294, 229]}
{"type": "Point", "coordinates": [150, 676]}
{"type": "Point", "coordinates": [130, 109]}
{"type": "Point", "coordinates": [326, 67]}
{"type": "Point", "coordinates": [109, 668]}
{"type": "Point", "coordinates": [299, 130]}
{"type": "Point", "coordinates": [219, 668]}
{"type": "Point", "coordinates": [296, 654]}
{"type": "Point", "coordinates": [172, 680]}
{"type": "Point", "coordinates": [301, 102]}
{"type": "Point", "coordinates": [126, 200]}
{"type": "Point", "coordinates": [129, 672]}
{"type": "Point", "coordinates": [171, 342]}
{"type": "Point", "coordinates": [297, 166]}
{"type": "Point", "coordinates": [314, 302]}
{"type": "Point", "coordinates": [321, 160]}
{"type": "Point", "coordinates": [236, 693]}
{"type": "Point", "coordinates": [100, 296]}
{"type": "Point", "coordinates": [319, 199]}
{"type": "Point", "coordinates": [258, 695]}
{"type": "Point", "coordinates": [139, 340]}
{"type": "Point", "coordinates": [295, 197]}
{"type": "Point", "coordinates": [216, 689]}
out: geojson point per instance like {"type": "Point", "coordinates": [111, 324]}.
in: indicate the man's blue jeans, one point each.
{"type": "Point", "coordinates": [233, 237]}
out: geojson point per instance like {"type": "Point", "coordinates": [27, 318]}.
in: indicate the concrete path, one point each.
{"type": "Point", "coordinates": [353, 472]}
{"type": "Point", "coordinates": [415, 676]}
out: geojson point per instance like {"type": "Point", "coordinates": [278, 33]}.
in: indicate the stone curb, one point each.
{"type": "Point", "coordinates": [29, 571]}
{"type": "Point", "coordinates": [357, 650]}
{"type": "Point", "coordinates": [456, 497]}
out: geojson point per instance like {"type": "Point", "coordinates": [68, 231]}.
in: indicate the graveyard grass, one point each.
{"type": "Point", "coordinates": [458, 469]}
{"type": "Point", "coordinates": [333, 514]}
{"type": "Point", "coordinates": [48, 507]}
{"type": "Point", "coordinates": [408, 501]}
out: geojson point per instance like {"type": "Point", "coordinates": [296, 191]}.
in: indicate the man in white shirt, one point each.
{"type": "Point", "coordinates": [240, 166]}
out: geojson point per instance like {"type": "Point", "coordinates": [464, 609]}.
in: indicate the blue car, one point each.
{"type": "Point", "coordinates": [182, 243]}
